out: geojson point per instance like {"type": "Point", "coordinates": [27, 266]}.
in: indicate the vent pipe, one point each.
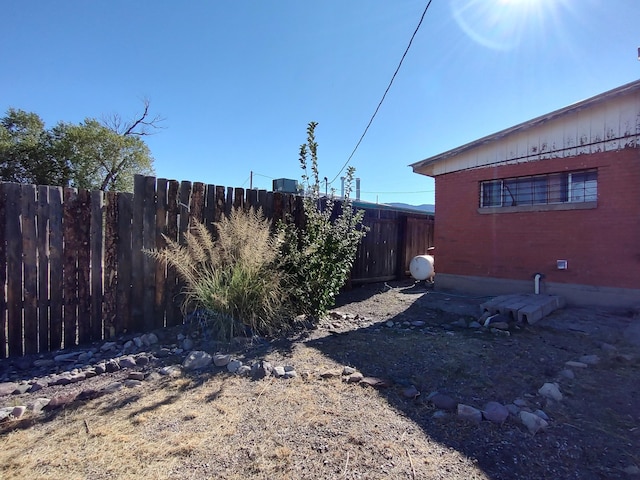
{"type": "Point", "coordinates": [357, 189]}
{"type": "Point", "coordinates": [342, 187]}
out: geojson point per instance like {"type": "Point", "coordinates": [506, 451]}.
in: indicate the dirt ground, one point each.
{"type": "Point", "coordinates": [216, 425]}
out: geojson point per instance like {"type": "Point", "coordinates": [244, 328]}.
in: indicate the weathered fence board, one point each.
{"type": "Point", "coordinates": [72, 267]}
{"type": "Point", "coordinates": [3, 273]}
{"type": "Point", "coordinates": [123, 304]}
{"type": "Point", "coordinates": [42, 244]}
{"type": "Point", "coordinates": [110, 265]}
{"type": "Point", "coordinates": [56, 273]}
{"type": "Point", "coordinates": [159, 299]}
{"type": "Point", "coordinates": [172, 316]}
{"type": "Point", "coordinates": [96, 242]}
{"type": "Point", "coordinates": [83, 219]}
{"type": "Point", "coordinates": [30, 269]}
{"type": "Point", "coordinates": [14, 270]}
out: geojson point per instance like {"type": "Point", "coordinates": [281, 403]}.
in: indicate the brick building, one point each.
{"type": "Point", "coordinates": [558, 196]}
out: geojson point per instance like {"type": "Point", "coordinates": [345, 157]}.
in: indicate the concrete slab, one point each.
{"type": "Point", "coordinates": [528, 308]}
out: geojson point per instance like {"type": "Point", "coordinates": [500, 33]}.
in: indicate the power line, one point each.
{"type": "Point", "coordinates": [385, 93]}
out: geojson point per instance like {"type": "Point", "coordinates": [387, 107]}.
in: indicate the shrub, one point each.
{"type": "Point", "coordinates": [317, 259]}
{"type": "Point", "coordinates": [232, 281]}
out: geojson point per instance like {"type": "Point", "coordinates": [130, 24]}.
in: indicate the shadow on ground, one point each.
{"type": "Point", "coordinates": [593, 432]}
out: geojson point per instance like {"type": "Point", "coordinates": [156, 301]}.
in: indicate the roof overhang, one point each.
{"type": "Point", "coordinates": [426, 166]}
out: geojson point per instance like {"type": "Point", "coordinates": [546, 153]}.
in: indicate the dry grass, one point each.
{"type": "Point", "coordinates": [232, 427]}
{"type": "Point", "coordinates": [217, 425]}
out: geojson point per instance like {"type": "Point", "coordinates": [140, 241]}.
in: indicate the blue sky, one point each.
{"type": "Point", "coordinates": [238, 81]}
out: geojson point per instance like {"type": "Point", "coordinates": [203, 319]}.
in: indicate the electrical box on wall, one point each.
{"type": "Point", "coordinates": [562, 264]}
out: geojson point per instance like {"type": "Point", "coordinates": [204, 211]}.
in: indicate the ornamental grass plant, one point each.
{"type": "Point", "coordinates": [232, 279]}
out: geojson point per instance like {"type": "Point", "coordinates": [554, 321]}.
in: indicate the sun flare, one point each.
{"type": "Point", "coordinates": [502, 24]}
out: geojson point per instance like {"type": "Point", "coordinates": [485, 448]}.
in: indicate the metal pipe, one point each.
{"type": "Point", "coordinates": [536, 283]}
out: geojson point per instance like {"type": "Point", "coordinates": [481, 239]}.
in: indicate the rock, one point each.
{"type": "Point", "coordinates": [131, 383]}
{"type": "Point", "coordinates": [261, 369]}
{"type": "Point", "coordinates": [127, 362]}
{"type": "Point", "coordinates": [519, 402]}
{"type": "Point", "coordinates": [566, 373]}
{"type": "Point", "coordinates": [61, 400]}
{"type": "Point", "coordinates": [442, 401]}
{"type": "Point", "coordinates": [136, 375]}
{"type": "Point", "coordinates": [551, 390]}
{"type": "Point", "coordinates": [289, 368]}
{"type": "Point", "coordinates": [142, 360]}
{"type": "Point", "coordinates": [513, 409]}
{"type": "Point", "coordinates": [107, 346]}
{"type": "Point", "coordinates": [5, 412]}
{"type": "Point", "coordinates": [495, 412]}
{"type": "Point", "coordinates": [171, 371]}
{"type": "Point", "coordinates": [100, 368]}
{"type": "Point", "coordinates": [7, 388]}
{"type": "Point", "coordinates": [90, 372]}
{"type": "Point", "coordinates": [149, 339]}
{"type": "Point", "coordinates": [532, 421]}
{"type": "Point", "coordinates": [243, 370]}
{"type": "Point", "coordinates": [590, 359]}
{"type": "Point", "coordinates": [475, 324]}
{"type": "Point", "coordinates": [234, 365]}
{"type": "Point", "coordinates": [390, 324]}
{"type": "Point", "coordinates": [438, 414]}
{"type": "Point", "coordinates": [22, 388]}
{"type": "Point", "coordinates": [290, 374]}
{"type": "Point", "coordinates": [375, 382]}
{"type": "Point", "coordinates": [355, 377]}
{"type": "Point", "coordinates": [624, 358]}
{"type": "Point", "coordinates": [197, 360]}
{"type": "Point", "coordinates": [39, 404]}
{"type": "Point", "coordinates": [220, 360]}
{"type": "Point", "coordinates": [410, 392]}
{"type": "Point", "coordinates": [112, 387]}
{"type": "Point", "coordinates": [542, 415]}
{"type": "Point", "coordinates": [459, 323]}
{"type": "Point", "coordinates": [278, 372]}
{"type": "Point", "coordinates": [631, 470]}
{"type": "Point", "coordinates": [38, 385]}
{"type": "Point", "coordinates": [470, 413]}
{"type": "Point", "coordinates": [129, 346]}
{"type": "Point", "coordinates": [348, 370]}
{"type": "Point", "coordinates": [62, 379]}
{"type": "Point", "coordinates": [18, 411]}
{"type": "Point", "coordinates": [573, 364]}
{"type": "Point", "coordinates": [77, 377]}
{"type": "Point", "coordinates": [66, 357]}
{"type": "Point", "coordinates": [164, 352]}
{"type": "Point", "coordinates": [43, 362]}
{"type": "Point", "coordinates": [418, 323]}
{"type": "Point", "coordinates": [113, 365]}
{"type": "Point", "coordinates": [330, 374]}
{"type": "Point", "coordinates": [187, 344]}
{"type": "Point", "coordinates": [138, 342]}
{"type": "Point", "coordinates": [85, 356]}
{"type": "Point", "coordinates": [607, 347]}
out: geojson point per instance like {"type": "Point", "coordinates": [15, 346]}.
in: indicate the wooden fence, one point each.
{"type": "Point", "coordinates": [72, 267]}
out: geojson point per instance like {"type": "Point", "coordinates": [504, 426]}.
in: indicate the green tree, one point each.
{"type": "Point", "coordinates": [28, 152]}
{"type": "Point", "coordinates": [93, 154]}
{"type": "Point", "coordinates": [318, 257]}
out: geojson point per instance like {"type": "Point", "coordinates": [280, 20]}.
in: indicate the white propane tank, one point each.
{"type": "Point", "coordinates": [421, 267]}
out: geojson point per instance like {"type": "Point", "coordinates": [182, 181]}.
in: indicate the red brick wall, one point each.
{"type": "Point", "coordinates": [601, 245]}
